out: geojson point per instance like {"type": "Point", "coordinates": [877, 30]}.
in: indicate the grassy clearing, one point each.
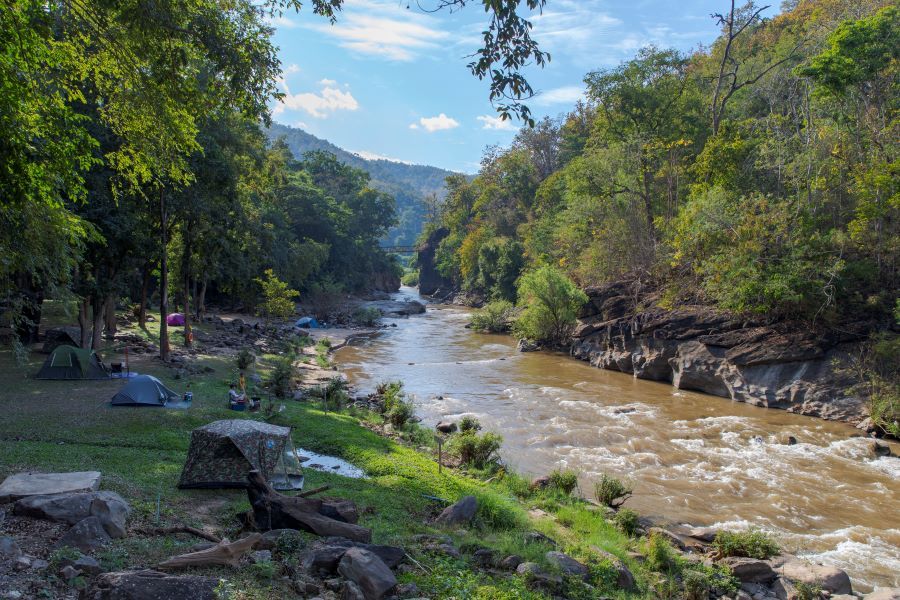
{"type": "Point", "coordinates": [70, 426]}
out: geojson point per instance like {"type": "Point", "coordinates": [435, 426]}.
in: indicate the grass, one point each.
{"type": "Point", "coordinates": [58, 426]}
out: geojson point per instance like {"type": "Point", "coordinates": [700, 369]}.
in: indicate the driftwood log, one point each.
{"type": "Point", "coordinates": [272, 510]}
{"type": "Point", "coordinates": [224, 553]}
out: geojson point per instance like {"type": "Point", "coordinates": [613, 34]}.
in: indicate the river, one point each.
{"type": "Point", "coordinates": [692, 458]}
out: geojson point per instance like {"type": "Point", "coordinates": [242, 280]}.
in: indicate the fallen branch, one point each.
{"type": "Point", "coordinates": [314, 491]}
{"type": "Point", "coordinates": [224, 553]}
{"type": "Point", "coordinates": [179, 529]}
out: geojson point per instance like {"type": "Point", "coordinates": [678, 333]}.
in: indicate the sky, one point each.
{"type": "Point", "coordinates": [389, 78]}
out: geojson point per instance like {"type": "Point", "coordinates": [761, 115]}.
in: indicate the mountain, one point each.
{"type": "Point", "coordinates": [408, 184]}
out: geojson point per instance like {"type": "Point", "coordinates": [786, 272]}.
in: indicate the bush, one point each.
{"type": "Point", "coordinates": [626, 521]}
{"type": "Point", "coordinates": [391, 392]}
{"type": "Point", "coordinates": [245, 358]}
{"type": "Point", "coordinates": [476, 450]}
{"type": "Point", "coordinates": [699, 580]}
{"type": "Point", "coordinates": [564, 480]}
{"type": "Point", "coordinates": [325, 297]}
{"type": "Point", "coordinates": [281, 379]}
{"type": "Point", "coordinates": [752, 543]}
{"type": "Point", "coordinates": [401, 412]}
{"type": "Point", "coordinates": [278, 299]}
{"type": "Point", "coordinates": [807, 591]}
{"type": "Point", "coordinates": [498, 512]}
{"type": "Point", "coordinates": [611, 491]}
{"type": "Point", "coordinates": [660, 554]}
{"type": "Point", "coordinates": [494, 317]}
{"type": "Point", "coordinates": [696, 586]}
{"type": "Point", "coordinates": [367, 317]}
{"type": "Point", "coordinates": [469, 424]}
{"type": "Point", "coordinates": [410, 278]}
{"type": "Point", "coordinates": [550, 302]}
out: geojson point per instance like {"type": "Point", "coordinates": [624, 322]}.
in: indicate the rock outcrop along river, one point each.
{"type": "Point", "coordinates": [694, 458]}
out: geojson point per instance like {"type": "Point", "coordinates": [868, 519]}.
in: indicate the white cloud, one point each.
{"type": "Point", "coordinates": [280, 21]}
{"type": "Point", "coordinates": [568, 94]}
{"type": "Point", "coordinates": [291, 69]}
{"type": "Point", "coordinates": [319, 105]}
{"type": "Point", "coordinates": [385, 30]}
{"type": "Point", "coordinates": [374, 156]}
{"type": "Point", "coordinates": [574, 26]}
{"type": "Point", "coordinates": [438, 123]}
{"type": "Point", "coordinates": [491, 122]}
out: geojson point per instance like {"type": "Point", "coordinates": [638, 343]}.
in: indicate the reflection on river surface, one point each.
{"type": "Point", "coordinates": [693, 458]}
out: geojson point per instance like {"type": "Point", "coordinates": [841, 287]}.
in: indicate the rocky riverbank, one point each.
{"type": "Point", "coordinates": [786, 365]}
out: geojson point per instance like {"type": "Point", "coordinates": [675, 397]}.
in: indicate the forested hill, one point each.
{"type": "Point", "coordinates": [408, 184]}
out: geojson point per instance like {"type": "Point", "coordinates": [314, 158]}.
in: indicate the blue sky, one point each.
{"type": "Point", "coordinates": [390, 81]}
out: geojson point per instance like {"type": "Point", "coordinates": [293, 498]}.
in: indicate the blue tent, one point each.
{"type": "Point", "coordinates": [307, 323]}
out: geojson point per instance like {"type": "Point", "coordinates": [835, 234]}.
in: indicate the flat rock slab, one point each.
{"type": "Point", "coordinates": [150, 585]}
{"type": "Point", "coordinates": [22, 485]}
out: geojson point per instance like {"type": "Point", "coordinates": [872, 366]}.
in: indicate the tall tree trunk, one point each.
{"type": "Point", "coordinates": [84, 322]}
{"type": "Point", "coordinates": [99, 309]}
{"type": "Point", "coordinates": [201, 300]}
{"type": "Point", "coordinates": [163, 279]}
{"type": "Point", "coordinates": [186, 273]}
{"type": "Point", "coordinates": [145, 287]}
{"type": "Point", "coordinates": [110, 317]}
{"type": "Point", "coordinates": [194, 294]}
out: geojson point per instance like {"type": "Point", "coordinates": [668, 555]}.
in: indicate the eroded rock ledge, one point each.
{"type": "Point", "coordinates": [786, 365]}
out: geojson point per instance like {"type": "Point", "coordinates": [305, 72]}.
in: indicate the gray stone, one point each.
{"type": "Point", "coordinates": [61, 508]}
{"type": "Point", "coordinates": [68, 573]}
{"type": "Point", "coordinates": [408, 590]}
{"type": "Point", "coordinates": [22, 485]}
{"type": "Point", "coordinates": [672, 538]}
{"type": "Point", "coordinates": [446, 426]}
{"type": "Point", "coordinates": [485, 558]}
{"type": "Point", "coordinates": [112, 511]}
{"type": "Point", "coordinates": [567, 564]}
{"type": "Point", "coordinates": [9, 548]}
{"type": "Point", "coordinates": [536, 576]}
{"type": "Point", "coordinates": [783, 589]}
{"type": "Point", "coordinates": [704, 534]}
{"type": "Point", "coordinates": [150, 585]}
{"type": "Point", "coordinates": [22, 563]}
{"type": "Point", "coordinates": [536, 537]}
{"type": "Point", "coordinates": [39, 564]}
{"type": "Point", "coordinates": [830, 579]}
{"type": "Point", "coordinates": [351, 591]}
{"type": "Point", "coordinates": [460, 513]}
{"type": "Point", "coordinates": [624, 577]}
{"type": "Point", "coordinates": [884, 594]}
{"type": "Point", "coordinates": [86, 535]}
{"type": "Point", "coordinates": [369, 572]}
{"type": "Point", "coordinates": [323, 559]}
{"type": "Point", "coordinates": [511, 562]}
{"type": "Point", "coordinates": [750, 570]}
{"type": "Point", "coordinates": [88, 565]}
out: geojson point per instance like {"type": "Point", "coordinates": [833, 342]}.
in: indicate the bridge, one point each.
{"type": "Point", "coordinates": [400, 249]}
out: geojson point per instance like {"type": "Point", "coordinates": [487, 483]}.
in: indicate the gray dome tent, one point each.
{"type": "Point", "coordinates": [222, 453]}
{"type": "Point", "coordinates": [144, 390]}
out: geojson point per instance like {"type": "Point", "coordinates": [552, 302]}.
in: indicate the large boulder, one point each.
{"type": "Point", "coordinates": [624, 577]}
{"type": "Point", "coordinates": [150, 585]}
{"type": "Point", "coordinates": [367, 571]}
{"type": "Point", "coordinates": [567, 565]}
{"type": "Point", "coordinates": [112, 511]}
{"type": "Point", "coordinates": [325, 556]}
{"type": "Point", "coordinates": [72, 508]}
{"type": "Point", "coordinates": [830, 579]}
{"type": "Point", "coordinates": [22, 485]}
{"type": "Point", "coordinates": [460, 513]}
{"type": "Point", "coordinates": [750, 570]}
{"type": "Point", "coordinates": [884, 594]}
{"type": "Point", "coordinates": [88, 534]}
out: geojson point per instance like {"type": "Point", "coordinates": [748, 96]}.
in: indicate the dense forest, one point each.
{"type": "Point", "coordinates": [135, 161]}
{"type": "Point", "coordinates": [414, 188]}
{"type": "Point", "coordinates": [759, 174]}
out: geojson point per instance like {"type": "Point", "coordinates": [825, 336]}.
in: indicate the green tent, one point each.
{"type": "Point", "coordinates": [69, 362]}
{"type": "Point", "coordinates": [222, 453]}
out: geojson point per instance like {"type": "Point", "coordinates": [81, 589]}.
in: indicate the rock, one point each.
{"type": "Point", "coordinates": [830, 579]}
{"type": "Point", "coordinates": [86, 535]}
{"type": "Point", "coordinates": [567, 564]}
{"type": "Point", "coordinates": [9, 548]}
{"type": "Point", "coordinates": [524, 345]}
{"type": "Point", "coordinates": [112, 511]}
{"type": "Point", "coordinates": [536, 537]}
{"type": "Point", "coordinates": [624, 577]}
{"type": "Point", "coordinates": [783, 589]}
{"type": "Point", "coordinates": [22, 485]}
{"type": "Point", "coordinates": [880, 449]}
{"type": "Point", "coordinates": [351, 591]}
{"type": "Point", "coordinates": [511, 562]}
{"type": "Point", "coordinates": [485, 558]}
{"type": "Point", "coordinates": [537, 577]}
{"type": "Point", "coordinates": [68, 573]}
{"type": "Point", "coordinates": [446, 426]}
{"type": "Point", "coordinates": [407, 590]}
{"type": "Point", "coordinates": [39, 564]}
{"type": "Point", "coordinates": [460, 513]}
{"type": "Point", "coordinates": [260, 556]}
{"type": "Point", "coordinates": [884, 594]}
{"type": "Point", "coordinates": [150, 585]}
{"type": "Point", "coordinates": [88, 565]}
{"type": "Point", "coordinates": [668, 536]}
{"type": "Point", "coordinates": [22, 563]}
{"type": "Point", "coordinates": [61, 508]}
{"type": "Point", "coordinates": [369, 572]}
{"type": "Point", "coordinates": [750, 570]}
{"type": "Point", "coordinates": [704, 534]}
{"type": "Point", "coordinates": [540, 483]}
{"type": "Point", "coordinates": [323, 559]}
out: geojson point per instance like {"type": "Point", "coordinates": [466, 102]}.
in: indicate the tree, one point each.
{"type": "Point", "coordinates": [550, 302]}
{"type": "Point", "coordinates": [279, 300]}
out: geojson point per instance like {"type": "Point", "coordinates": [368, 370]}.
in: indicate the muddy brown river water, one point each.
{"type": "Point", "coordinates": [692, 458]}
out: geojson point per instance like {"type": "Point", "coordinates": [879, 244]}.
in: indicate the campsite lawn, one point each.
{"type": "Point", "coordinates": [69, 425]}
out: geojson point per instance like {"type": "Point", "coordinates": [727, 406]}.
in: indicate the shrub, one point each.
{"type": "Point", "coordinates": [281, 379]}
{"type": "Point", "coordinates": [401, 412]}
{"type": "Point", "coordinates": [278, 299]}
{"type": "Point", "coordinates": [611, 491]}
{"type": "Point", "coordinates": [696, 586]}
{"type": "Point", "coordinates": [410, 278]}
{"type": "Point", "coordinates": [245, 358]}
{"type": "Point", "coordinates": [564, 480]}
{"type": "Point", "coordinates": [626, 521]}
{"type": "Point", "coordinates": [469, 424]}
{"type": "Point", "coordinates": [476, 450]}
{"type": "Point", "coordinates": [494, 317]}
{"type": "Point", "coordinates": [700, 579]}
{"type": "Point", "coordinates": [325, 297]}
{"type": "Point", "coordinates": [550, 302]}
{"type": "Point", "coordinates": [807, 591]}
{"type": "Point", "coordinates": [367, 317]}
{"type": "Point", "coordinates": [498, 512]}
{"type": "Point", "coordinates": [660, 554]}
{"type": "Point", "coordinates": [752, 543]}
{"type": "Point", "coordinates": [391, 393]}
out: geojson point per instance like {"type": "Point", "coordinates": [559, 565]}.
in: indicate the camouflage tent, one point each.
{"type": "Point", "coordinates": [223, 452]}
